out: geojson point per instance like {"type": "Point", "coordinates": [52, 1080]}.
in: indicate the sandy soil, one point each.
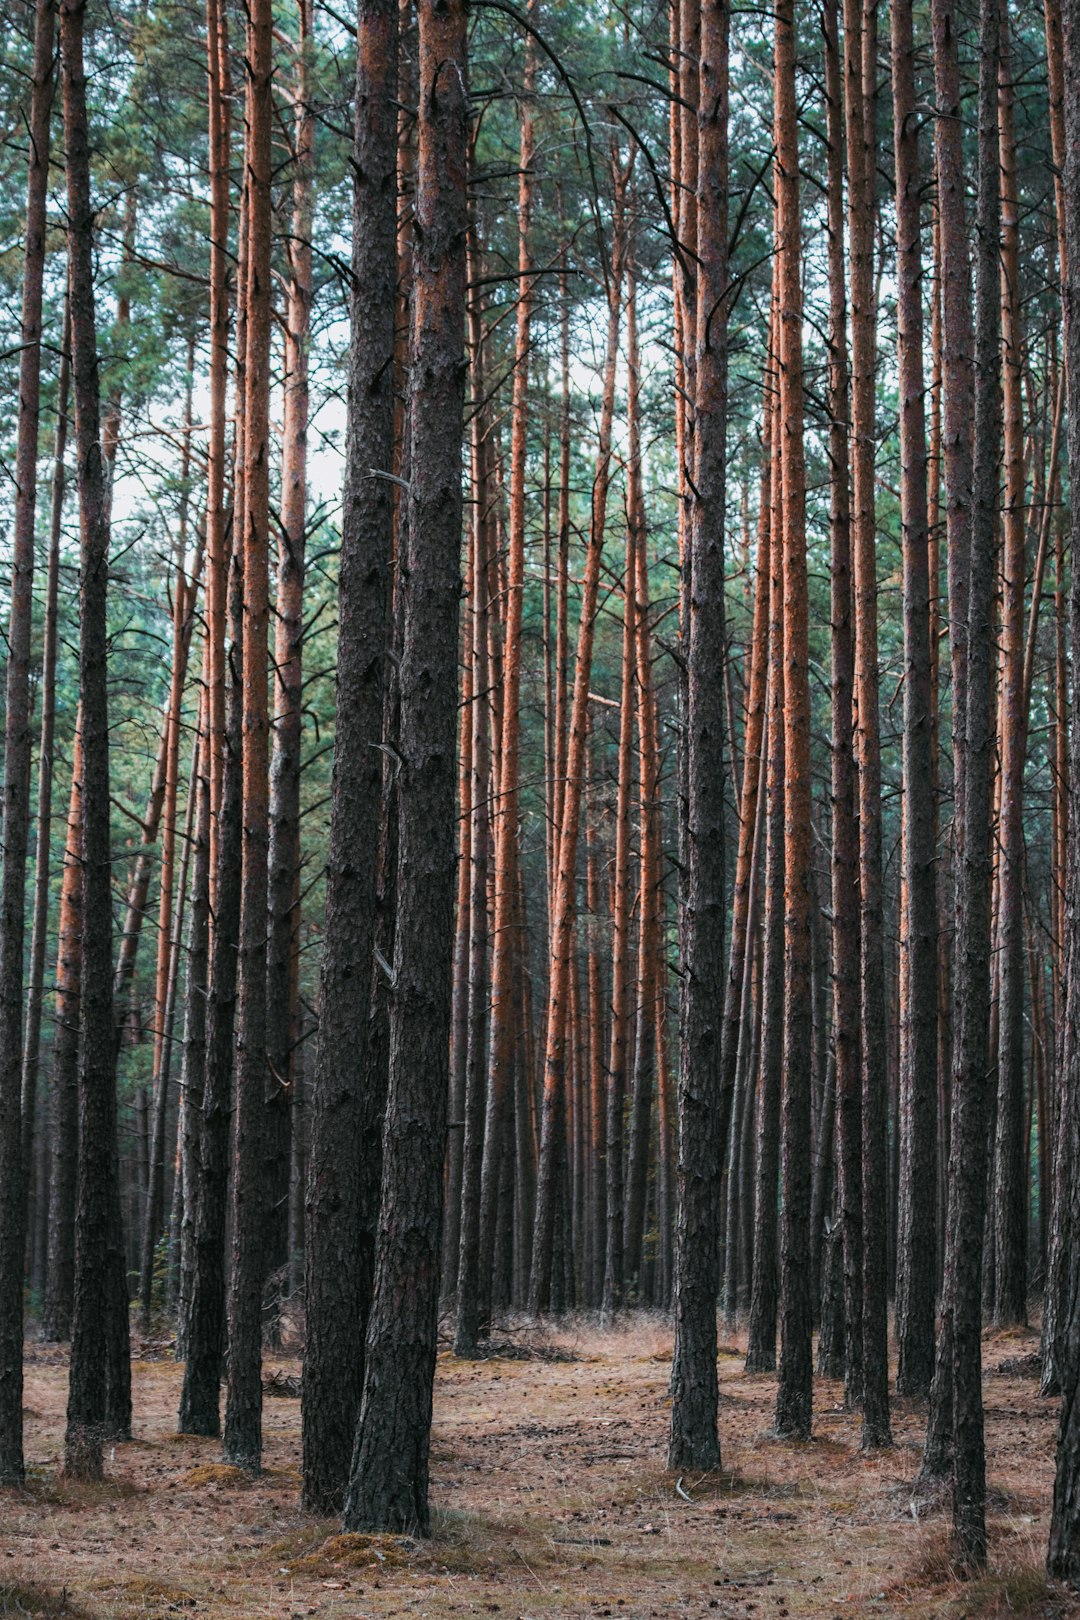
{"type": "Point", "coordinates": [551, 1498]}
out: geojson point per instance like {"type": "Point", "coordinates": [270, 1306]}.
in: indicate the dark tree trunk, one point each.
{"type": "Point", "coordinates": [860, 34]}
{"type": "Point", "coordinates": [916, 1237]}
{"type": "Point", "coordinates": [963, 1274]}
{"type": "Point", "coordinates": [845, 834]}
{"type": "Point", "coordinates": [35, 999]}
{"type": "Point", "coordinates": [1010, 1153]}
{"type": "Point", "coordinates": [389, 1485]}
{"type": "Point", "coordinates": [56, 1322]}
{"type": "Point", "coordinates": [1064, 1550]}
{"type": "Point", "coordinates": [467, 1260]}
{"type": "Point", "coordinates": [14, 1172]}
{"type": "Point", "coordinates": [348, 1085]}
{"type": "Point", "coordinates": [794, 1395]}
{"type": "Point", "coordinates": [200, 1395]}
{"type": "Point", "coordinates": [761, 1336]}
{"type": "Point", "coordinates": [958, 410]}
{"type": "Point", "coordinates": [95, 1329]}
{"type": "Point", "coordinates": [283, 859]}
{"type": "Point", "coordinates": [193, 1074]}
{"type": "Point", "coordinates": [704, 1099]}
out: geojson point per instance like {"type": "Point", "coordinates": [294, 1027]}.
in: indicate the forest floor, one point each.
{"type": "Point", "coordinates": [551, 1498]}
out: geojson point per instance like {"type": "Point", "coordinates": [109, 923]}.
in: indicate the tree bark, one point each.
{"type": "Point", "coordinates": [348, 1087]}
{"type": "Point", "coordinates": [97, 1220]}
{"type": "Point", "coordinates": [916, 1237]}
{"type": "Point", "coordinates": [243, 1404]}
{"type": "Point", "coordinates": [283, 858]}
{"type": "Point", "coordinates": [479, 719]}
{"type": "Point", "coordinates": [962, 1305]}
{"type": "Point", "coordinates": [1010, 1156]}
{"type": "Point", "coordinates": [35, 999]}
{"type": "Point", "coordinates": [1063, 1558]}
{"type": "Point", "coordinates": [16, 793]}
{"type": "Point", "coordinates": [208, 1052]}
{"type": "Point", "coordinates": [389, 1485]}
{"type": "Point", "coordinates": [705, 1092]}
{"type": "Point", "coordinates": [622, 986]}
{"type": "Point", "coordinates": [794, 1396]}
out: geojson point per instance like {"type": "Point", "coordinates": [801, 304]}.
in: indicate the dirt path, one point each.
{"type": "Point", "coordinates": [552, 1499]}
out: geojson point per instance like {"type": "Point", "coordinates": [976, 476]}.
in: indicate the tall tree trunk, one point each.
{"type": "Point", "coordinates": [389, 1485]}
{"type": "Point", "coordinates": [243, 1407]}
{"type": "Point", "coordinates": [467, 1259]}
{"type": "Point", "coordinates": [845, 834]}
{"type": "Point", "coordinates": [97, 1222]}
{"type": "Point", "coordinates": [962, 1303]}
{"type": "Point", "coordinates": [35, 998]}
{"type": "Point", "coordinates": [958, 411]}
{"type": "Point", "coordinates": [13, 1171]}
{"type": "Point", "coordinates": [916, 1238]}
{"type": "Point", "coordinates": [761, 1334]}
{"type": "Point", "coordinates": [739, 962]}
{"type": "Point", "coordinates": [649, 870]}
{"type": "Point", "coordinates": [284, 852]}
{"type": "Point", "coordinates": [705, 1092]}
{"type": "Point", "coordinates": [193, 1072]}
{"type": "Point", "coordinates": [1010, 1155]}
{"type": "Point", "coordinates": [208, 1033]}
{"type": "Point", "coordinates": [56, 1324]}
{"type": "Point", "coordinates": [860, 35]}
{"type": "Point", "coordinates": [622, 986]}
{"type": "Point", "coordinates": [183, 606]}
{"type": "Point", "coordinates": [1064, 1549]}
{"type": "Point", "coordinates": [348, 1088]}
{"type": "Point", "coordinates": [794, 1396]}
{"type": "Point", "coordinates": [597, 1202]}
{"type": "Point", "coordinates": [506, 945]}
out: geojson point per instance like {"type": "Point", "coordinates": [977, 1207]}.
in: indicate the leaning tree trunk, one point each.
{"type": "Point", "coordinates": [389, 1485]}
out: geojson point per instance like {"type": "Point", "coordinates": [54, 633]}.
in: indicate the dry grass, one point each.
{"type": "Point", "coordinates": [551, 1498]}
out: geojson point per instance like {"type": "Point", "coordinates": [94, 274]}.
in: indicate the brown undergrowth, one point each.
{"type": "Point", "coordinates": [551, 1498]}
